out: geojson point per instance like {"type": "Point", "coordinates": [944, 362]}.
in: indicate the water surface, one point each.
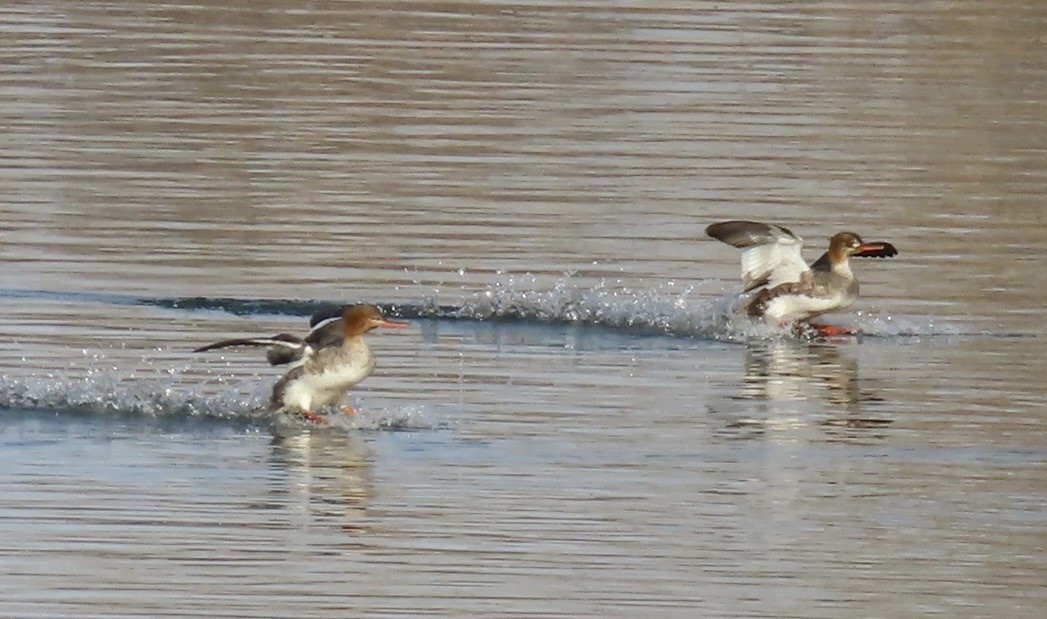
{"type": "Point", "coordinates": [569, 428]}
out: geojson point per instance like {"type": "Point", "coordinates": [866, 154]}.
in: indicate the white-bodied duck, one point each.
{"type": "Point", "coordinates": [325, 364]}
{"type": "Point", "coordinates": [785, 289]}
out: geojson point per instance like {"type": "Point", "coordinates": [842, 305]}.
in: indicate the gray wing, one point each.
{"type": "Point", "coordinates": [772, 253]}
{"type": "Point", "coordinates": [329, 332]}
{"type": "Point", "coordinates": [280, 349]}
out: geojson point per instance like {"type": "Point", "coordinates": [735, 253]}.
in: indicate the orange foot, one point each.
{"type": "Point", "coordinates": [313, 417]}
{"type": "Point", "coordinates": [349, 410]}
{"type": "Point", "coordinates": [832, 330]}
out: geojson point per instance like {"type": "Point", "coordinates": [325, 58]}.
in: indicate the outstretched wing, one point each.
{"type": "Point", "coordinates": [281, 349]}
{"type": "Point", "coordinates": [772, 254]}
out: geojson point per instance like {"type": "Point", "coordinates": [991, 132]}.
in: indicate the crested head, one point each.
{"type": "Point", "coordinates": [359, 319]}
{"type": "Point", "coordinates": [845, 244]}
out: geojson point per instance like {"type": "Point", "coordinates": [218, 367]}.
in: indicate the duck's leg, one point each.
{"type": "Point", "coordinates": [313, 417]}
{"type": "Point", "coordinates": [831, 330]}
{"type": "Point", "coordinates": [348, 410]}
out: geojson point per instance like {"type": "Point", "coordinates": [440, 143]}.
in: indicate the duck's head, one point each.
{"type": "Point", "coordinates": [359, 319]}
{"type": "Point", "coordinates": [843, 245]}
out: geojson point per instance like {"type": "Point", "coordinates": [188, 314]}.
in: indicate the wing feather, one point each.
{"type": "Point", "coordinates": [328, 332]}
{"type": "Point", "coordinates": [772, 253]}
{"type": "Point", "coordinates": [280, 349]}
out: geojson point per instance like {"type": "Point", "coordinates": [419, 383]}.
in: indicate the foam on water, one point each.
{"type": "Point", "coordinates": [702, 310]}
{"type": "Point", "coordinates": [369, 417]}
{"type": "Point", "coordinates": [158, 394]}
{"type": "Point", "coordinates": [666, 309]}
{"type": "Point", "coordinates": [176, 393]}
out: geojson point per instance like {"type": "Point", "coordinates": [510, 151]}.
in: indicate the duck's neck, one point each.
{"type": "Point", "coordinates": [840, 263]}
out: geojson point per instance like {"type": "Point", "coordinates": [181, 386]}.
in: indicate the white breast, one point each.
{"type": "Point", "coordinates": [802, 306]}
{"type": "Point", "coordinates": [828, 292]}
{"type": "Point", "coordinates": [326, 378]}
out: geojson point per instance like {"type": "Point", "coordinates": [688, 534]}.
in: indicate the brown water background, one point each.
{"type": "Point", "coordinates": [593, 445]}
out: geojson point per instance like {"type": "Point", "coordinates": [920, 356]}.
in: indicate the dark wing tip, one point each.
{"type": "Point", "coordinates": [282, 341]}
{"type": "Point", "coordinates": [741, 233]}
{"type": "Point", "coordinates": [724, 230]}
{"type": "Point", "coordinates": [222, 344]}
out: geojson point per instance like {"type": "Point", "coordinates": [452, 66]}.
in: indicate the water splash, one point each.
{"type": "Point", "coordinates": [373, 417]}
{"type": "Point", "coordinates": [178, 393]}
{"type": "Point", "coordinates": [667, 309]}
{"type": "Point", "coordinates": [876, 324]}
{"type": "Point", "coordinates": [701, 309]}
{"type": "Point", "coordinates": [685, 310]}
{"type": "Point", "coordinates": [107, 392]}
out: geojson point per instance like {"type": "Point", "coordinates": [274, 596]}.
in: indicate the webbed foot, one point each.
{"type": "Point", "coordinates": [832, 330]}
{"type": "Point", "coordinates": [313, 417]}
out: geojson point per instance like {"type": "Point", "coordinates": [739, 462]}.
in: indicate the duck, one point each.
{"type": "Point", "coordinates": [784, 288]}
{"type": "Point", "coordinates": [332, 358]}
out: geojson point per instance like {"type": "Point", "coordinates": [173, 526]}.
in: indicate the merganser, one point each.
{"type": "Point", "coordinates": [324, 364]}
{"type": "Point", "coordinates": [786, 288]}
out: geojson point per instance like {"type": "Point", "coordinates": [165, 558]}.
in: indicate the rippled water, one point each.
{"type": "Point", "coordinates": [570, 427]}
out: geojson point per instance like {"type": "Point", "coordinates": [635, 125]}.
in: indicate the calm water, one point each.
{"type": "Point", "coordinates": [567, 429]}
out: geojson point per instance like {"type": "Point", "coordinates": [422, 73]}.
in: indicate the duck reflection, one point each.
{"type": "Point", "coordinates": [323, 475]}
{"type": "Point", "coordinates": [789, 375]}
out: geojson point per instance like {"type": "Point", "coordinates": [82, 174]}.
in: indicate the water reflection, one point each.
{"type": "Point", "coordinates": [323, 474]}
{"type": "Point", "coordinates": [788, 376]}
